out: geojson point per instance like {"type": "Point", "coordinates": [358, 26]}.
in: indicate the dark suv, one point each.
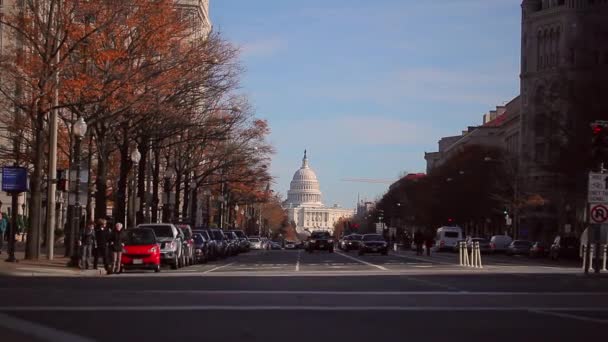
{"type": "Point", "coordinates": [320, 241]}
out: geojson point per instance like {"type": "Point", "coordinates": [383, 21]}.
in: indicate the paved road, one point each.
{"type": "Point", "coordinates": [296, 296]}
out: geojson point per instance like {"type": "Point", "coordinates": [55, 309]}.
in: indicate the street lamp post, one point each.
{"type": "Point", "coordinates": [169, 174]}
{"type": "Point", "coordinates": [80, 130]}
{"type": "Point", "coordinates": [135, 158]}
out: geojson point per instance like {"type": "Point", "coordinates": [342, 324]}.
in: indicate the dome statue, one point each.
{"type": "Point", "coordinates": [304, 189]}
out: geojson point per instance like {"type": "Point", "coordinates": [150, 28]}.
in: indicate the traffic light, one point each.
{"type": "Point", "coordinates": [450, 220]}
{"type": "Point", "coordinates": [599, 143]}
{"type": "Point", "coordinates": [506, 211]}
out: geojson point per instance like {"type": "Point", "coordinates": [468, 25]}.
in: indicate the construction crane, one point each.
{"type": "Point", "coordinates": [369, 180]}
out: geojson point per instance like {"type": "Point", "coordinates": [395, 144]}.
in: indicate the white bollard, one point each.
{"type": "Point", "coordinates": [473, 255]}
{"type": "Point", "coordinates": [584, 256]}
{"type": "Point", "coordinates": [592, 258]}
{"type": "Point", "coordinates": [604, 257]}
{"type": "Point", "coordinates": [479, 256]}
{"type": "Point", "coordinates": [465, 252]}
{"type": "Point", "coordinates": [460, 256]}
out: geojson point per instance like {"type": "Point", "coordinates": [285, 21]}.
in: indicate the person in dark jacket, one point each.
{"type": "Point", "coordinates": [428, 242]}
{"type": "Point", "coordinates": [101, 238]}
{"type": "Point", "coordinates": [87, 243]}
{"type": "Point", "coordinates": [116, 245]}
{"type": "Point", "coordinates": [419, 241]}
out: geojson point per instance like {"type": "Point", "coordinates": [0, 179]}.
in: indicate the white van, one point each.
{"type": "Point", "coordinates": [447, 238]}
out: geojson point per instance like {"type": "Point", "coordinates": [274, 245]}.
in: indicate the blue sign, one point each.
{"type": "Point", "coordinates": [14, 179]}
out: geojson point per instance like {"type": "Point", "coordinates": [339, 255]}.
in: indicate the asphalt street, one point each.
{"type": "Point", "coordinates": [296, 296]}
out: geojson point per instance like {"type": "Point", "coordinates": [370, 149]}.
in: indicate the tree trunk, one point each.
{"type": "Point", "coordinates": [194, 207]}
{"type": "Point", "coordinates": [186, 198]}
{"type": "Point", "coordinates": [155, 184]}
{"type": "Point", "coordinates": [33, 231]}
{"type": "Point", "coordinates": [121, 192]}
{"type": "Point", "coordinates": [141, 179]}
{"type": "Point", "coordinates": [101, 206]}
{"type": "Point", "coordinates": [178, 185]}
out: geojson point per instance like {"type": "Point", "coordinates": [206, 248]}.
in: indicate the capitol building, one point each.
{"type": "Point", "coordinates": [304, 205]}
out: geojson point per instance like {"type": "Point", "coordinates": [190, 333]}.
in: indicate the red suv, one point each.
{"type": "Point", "coordinates": [141, 250]}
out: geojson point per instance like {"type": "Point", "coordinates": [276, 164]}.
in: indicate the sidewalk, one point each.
{"type": "Point", "coordinates": [42, 267]}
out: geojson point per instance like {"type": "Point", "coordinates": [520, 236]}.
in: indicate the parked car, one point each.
{"type": "Point", "coordinates": [265, 243]}
{"type": "Point", "coordinates": [320, 240]}
{"type": "Point", "coordinates": [211, 246]}
{"type": "Point", "coordinates": [171, 245]}
{"type": "Point", "coordinates": [221, 243]}
{"type": "Point", "coordinates": [201, 248]}
{"type": "Point", "coordinates": [141, 250]}
{"type": "Point", "coordinates": [447, 237]}
{"type": "Point", "coordinates": [274, 245]}
{"type": "Point", "coordinates": [500, 243]}
{"type": "Point", "coordinates": [519, 247]}
{"type": "Point", "coordinates": [484, 244]}
{"type": "Point", "coordinates": [255, 242]}
{"type": "Point", "coordinates": [350, 242]}
{"type": "Point", "coordinates": [290, 244]}
{"type": "Point", "coordinates": [188, 244]}
{"type": "Point", "coordinates": [539, 250]}
{"type": "Point", "coordinates": [373, 243]}
{"type": "Point", "coordinates": [233, 243]}
{"type": "Point", "coordinates": [565, 247]}
{"type": "Point", "coordinates": [243, 242]}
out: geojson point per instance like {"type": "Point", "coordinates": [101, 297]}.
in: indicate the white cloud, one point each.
{"type": "Point", "coordinates": [263, 47]}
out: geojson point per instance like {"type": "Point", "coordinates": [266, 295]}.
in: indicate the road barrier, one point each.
{"type": "Point", "coordinates": [584, 257]}
{"type": "Point", "coordinates": [475, 260]}
{"type": "Point", "coordinates": [603, 249]}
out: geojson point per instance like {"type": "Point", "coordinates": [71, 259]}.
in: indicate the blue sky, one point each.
{"type": "Point", "coordinates": [369, 86]}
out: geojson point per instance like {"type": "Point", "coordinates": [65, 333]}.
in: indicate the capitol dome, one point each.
{"type": "Point", "coordinates": [304, 189]}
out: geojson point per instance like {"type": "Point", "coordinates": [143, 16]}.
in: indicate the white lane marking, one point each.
{"type": "Point", "coordinates": [423, 259]}
{"type": "Point", "coordinates": [362, 261]}
{"type": "Point", "coordinates": [570, 316]}
{"type": "Point", "coordinates": [219, 267]}
{"type": "Point", "coordinates": [298, 262]}
{"type": "Point", "coordinates": [293, 308]}
{"type": "Point", "coordinates": [39, 331]}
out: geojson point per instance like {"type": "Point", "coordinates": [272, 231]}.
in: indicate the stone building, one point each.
{"type": "Point", "coordinates": [564, 47]}
{"type": "Point", "coordinates": [304, 204]}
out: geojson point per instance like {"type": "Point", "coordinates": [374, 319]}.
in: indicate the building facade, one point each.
{"type": "Point", "coordinates": [304, 204]}
{"type": "Point", "coordinates": [563, 49]}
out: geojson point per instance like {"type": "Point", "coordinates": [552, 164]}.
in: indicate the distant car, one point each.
{"type": "Point", "coordinates": [141, 250]}
{"type": "Point", "coordinates": [221, 244]}
{"type": "Point", "coordinates": [484, 244]}
{"type": "Point", "coordinates": [350, 242]}
{"type": "Point", "coordinates": [233, 243]}
{"type": "Point", "coordinates": [519, 247]}
{"type": "Point", "coordinates": [255, 242]}
{"type": "Point", "coordinates": [539, 250]}
{"type": "Point", "coordinates": [290, 244]}
{"type": "Point", "coordinates": [188, 244]}
{"type": "Point", "coordinates": [373, 243]}
{"type": "Point", "coordinates": [275, 245]}
{"type": "Point", "coordinates": [500, 243]}
{"type": "Point", "coordinates": [170, 241]}
{"type": "Point", "coordinates": [201, 248]}
{"type": "Point", "coordinates": [320, 240]}
{"type": "Point", "coordinates": [565, 247]}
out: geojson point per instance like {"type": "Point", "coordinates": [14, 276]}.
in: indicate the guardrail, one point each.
{"type": "Point", "coordinates": [474, 260]}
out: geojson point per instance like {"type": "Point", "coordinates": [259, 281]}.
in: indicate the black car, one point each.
{"type": "Point", "coordinates": [221, 243]}
{"type": "Point", "coordinates": [320, 241]}
{"type": "Point", "coordinates": [201, 248]}
{"type": "Point", "coordinates": [350, 242]}
{"type": "Point", "coordinates": [373, 243]}
{"type": "Point", "coordinates": [244, 245]}
{"type": "Point", "coordinates": [565, 247]}
{"type": "Point", "coordinates": [210, 244]}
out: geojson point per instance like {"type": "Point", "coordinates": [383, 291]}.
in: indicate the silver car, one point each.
{"type": "Point", "coordinates": [484, 244]}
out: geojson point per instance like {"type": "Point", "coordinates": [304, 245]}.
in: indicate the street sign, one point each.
{"type": "Point", "coordinates": [14, 179]}
{"type": "Point", "coordinates": [598, 213]}
{"type": "Point", "coordinates": [598, 188]}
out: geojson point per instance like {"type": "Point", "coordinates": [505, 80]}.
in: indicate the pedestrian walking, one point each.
{"type": "Point", "coordinates": [101, 239]}
{"type": "Point", "coordinates": [3, 230]}
{"type": "Point", "coordinates": [116, 245]}
{"type": "Point", "coordinates": [429, 244]}
{"type": "Point", "coordinates": [87, 243]}
{"type": "Point", "coordinates": [418, 240]}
